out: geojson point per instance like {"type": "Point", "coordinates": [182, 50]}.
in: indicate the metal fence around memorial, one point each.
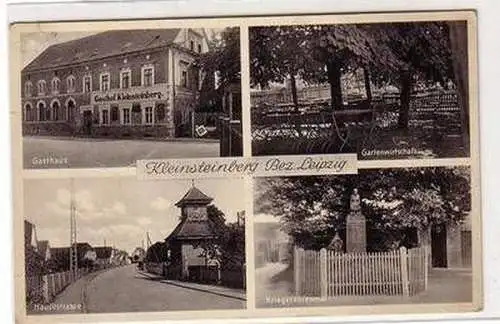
{"type": "Point", "coordinates": [328, 274]}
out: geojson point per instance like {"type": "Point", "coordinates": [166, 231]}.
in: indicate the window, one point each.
{"type": "Point", "coordinates": [199, 48]}
{"type": "Point", "coordinates": [114, 113]}
{"type": "Point", "coordinates": [70, 107]}
{"type": "Point", "coordinates": [28, 89]}
{"type": "Point", "coordinates": [28, 112]}
{"type": "Point", "coordinates": [191, 45]}
{"type": "Point", "coordinates": [148, 112]}
{"type": "Point", "coordinates": [126, 116]}
{"type": "Point", "coordinates": [41, 111]}
{"type": "Point", "coordinates": [160, 112]}
{"type": "Point", "coordinates": [87, 83]}
{"type": "Point", "coordinates": [70, 83]}
{"type": "Point", "coordinates": [55, 110]}
{"type": "Point", "coordinates": [105, 82]}
{"type": "Point", "coordinates": [125, 79]}
{"type": "Point", "coordinates": [147, 76]}
{"type": "Point", "coordinates": [105, 117]}
{"type": "Point", "coordinates": [184, 79]}
{"type": "Point", "coordinates": [56, 84]}
{"type": "Point", "coordinates": [42, 87]}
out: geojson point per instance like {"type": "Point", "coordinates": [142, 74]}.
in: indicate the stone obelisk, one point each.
{"type": "Point", "coordinates": [355, 226]}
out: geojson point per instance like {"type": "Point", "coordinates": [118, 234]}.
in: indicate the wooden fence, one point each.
{"type": "Point", "coordinates": [329, 274]}
{"type": "Point", "coordinates": [47, 287]}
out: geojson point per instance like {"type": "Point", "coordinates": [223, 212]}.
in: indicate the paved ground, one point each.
{"type": "Point", "coordinates": [125, 289]}
{"type": "Point", "coordinates": [274, 288]}
{"type": "Point", "coordinates": [47, 152]}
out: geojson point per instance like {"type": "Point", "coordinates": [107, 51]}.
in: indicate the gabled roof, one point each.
{"type": "Point", "coordinates": [101, 45]}
{"type": "Point", "coordinates": [103, 252]}
{"type": "Point", "coordinates": [194, 196]}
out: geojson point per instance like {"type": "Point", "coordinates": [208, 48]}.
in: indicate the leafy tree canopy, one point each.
{"type": "Point", "coordinates": [223, 60]}
{"type": "Point", "coordinates": [312, 209]}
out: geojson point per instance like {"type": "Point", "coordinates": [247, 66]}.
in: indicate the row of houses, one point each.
{"type": "Point", "coordinates": [41, 258]}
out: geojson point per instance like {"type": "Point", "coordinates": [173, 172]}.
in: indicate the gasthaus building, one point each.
{"type": "Point", "coordinates": [120, 83]}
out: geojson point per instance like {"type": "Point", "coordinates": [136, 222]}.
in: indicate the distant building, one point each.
{"type": "Point", "coordinates": [118, 83]}
{"type": "Point", "coordinates": [138, 255]}
{"type": "Point", "coordinates": [104, 255]}
{"type": "Point", "coordinates": [60, 256]}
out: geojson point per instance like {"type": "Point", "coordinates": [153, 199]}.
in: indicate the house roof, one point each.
{"type": "Point", "coordinates": [43, 246]}
{"type": "Point", "coordinates": [103, 252]}
{"type": "Point", "coordinates": [102, 45]}
{"type": "Point", "coordinates": [188, 230]}
{"type": "Point", "coordinates": [194, 196]}
{"type": "Point", "coordinates": [62, 253]}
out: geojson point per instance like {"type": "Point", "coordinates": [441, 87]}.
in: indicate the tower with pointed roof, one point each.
{"type": "Point", "coordinates": [187, 241]}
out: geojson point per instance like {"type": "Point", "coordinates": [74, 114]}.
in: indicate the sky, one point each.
{"type": "Point", "coordinates": [119, 210]}
{"type": "Point", "coordinates": [32, 44]}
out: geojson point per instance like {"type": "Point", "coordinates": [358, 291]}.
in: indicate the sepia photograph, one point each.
{"type": "Point", "coordinates": [108, 245]}
{"type": "Point", "coordinates": [109, 98]}
{"type": "Point", "coordinates": [382, 90]}
{"type": "Point", "coordinates": [245, 167]}
{"type": "Point", "coordinates": [381, 237]}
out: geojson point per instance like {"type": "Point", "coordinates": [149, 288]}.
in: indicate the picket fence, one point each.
{"type": "Point", "coordinates": [329, 274]}
{"type": "Point", "coordinates": [47, 287]}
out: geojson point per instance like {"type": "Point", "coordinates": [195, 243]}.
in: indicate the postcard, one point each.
{"type": "Point", "coordinates": [246, 167]}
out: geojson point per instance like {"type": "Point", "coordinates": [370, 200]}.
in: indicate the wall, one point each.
{"type": "Point", "coordinates": [191, 255]}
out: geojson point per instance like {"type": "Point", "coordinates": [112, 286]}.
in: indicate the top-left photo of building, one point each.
{"type": "Point", "coordinates": [110, 98]}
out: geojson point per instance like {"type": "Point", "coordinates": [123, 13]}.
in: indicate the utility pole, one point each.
{"type": "Point", "coordinates": [73, 254]}
{"type": "Point", "coordinates": [148, 241]}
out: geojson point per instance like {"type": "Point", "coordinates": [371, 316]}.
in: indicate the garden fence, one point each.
{"type": "Point", "coordinates": [329, 274]}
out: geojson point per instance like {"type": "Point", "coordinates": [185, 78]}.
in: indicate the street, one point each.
{"type": "Point", "coordinates": [47, 152]}
{"type": "Point", "coordinates": [124, 289]}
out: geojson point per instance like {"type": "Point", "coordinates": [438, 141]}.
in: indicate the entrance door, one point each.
{"type": "Point", "coordinates": [87, 122]}
{"type": "Point", "coordinates": [438, 246]}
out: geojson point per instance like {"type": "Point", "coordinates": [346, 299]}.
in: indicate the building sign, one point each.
{"type": "Point", "coordinates": [157, 92]}
{"type": "Point", "coordinates": [201, 130]}
{"type": "Point", "coordinates": [128, 96]}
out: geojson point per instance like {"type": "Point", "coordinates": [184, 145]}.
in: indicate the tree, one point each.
{"type": "Point", "coordinates": [313, 209]}
{"type": "Point", "coordinates": [458, 42]}
{"type": "Point", "coordinates": [223, 60]}
{"type": "Point", "coordinates": [157, 252]}
{"type": "Point", "coordinates": [316, 53]}
{"type": "Point", "coordinates": [421, 50]}
{"type": "Point", "coordinates": [229, 245]}
{"type": "Point", "coordinates": [280, 54]}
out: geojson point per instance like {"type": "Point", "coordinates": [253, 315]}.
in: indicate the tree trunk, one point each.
{"type": "Point", "coordinates": [404, 110]}
{"type": "Point", "coordinates": [458, 40]}
{"type": "Point", "coordinates": [293, 85]}
{"type": "Point", "coordinates": [368, 89]}
{"type": "Point", "coordinates": [334, 74]}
